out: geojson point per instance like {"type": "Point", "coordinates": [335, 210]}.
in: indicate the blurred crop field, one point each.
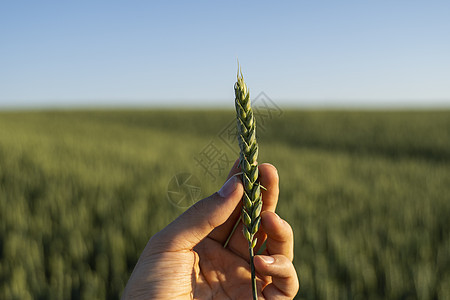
{"type": "Point", "coordinates": [366, 192]}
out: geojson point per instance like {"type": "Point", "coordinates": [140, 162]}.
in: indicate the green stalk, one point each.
{"type": "Point", "coordinates": [252, 268]}
{"type": "Point", "coordinates": [252, 199]}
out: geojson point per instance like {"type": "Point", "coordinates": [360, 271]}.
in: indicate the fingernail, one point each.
{"type": "Point", "coordinates": [228, 188]}
{"type": "Point", "coordinates": [267, 259]}
{"type": "Point", "coordinates": [278, 217]}
{"type": "Point", "coordinates": [280, 220]}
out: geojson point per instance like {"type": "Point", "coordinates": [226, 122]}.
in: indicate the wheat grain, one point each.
{"type": "Point", "coordinates": [252, 199]}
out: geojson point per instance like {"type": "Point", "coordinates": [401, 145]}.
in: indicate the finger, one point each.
{"type": "Point", "coordinates": [268, 177]}
{"type": "Point", "coordinates": [200, 219]}
{"type": "Point", "coordinates": [284, 277]}
{"type": "Point", "coordinates": [280, 238]}
{"type": "Point", "coordinates": [220, 234]}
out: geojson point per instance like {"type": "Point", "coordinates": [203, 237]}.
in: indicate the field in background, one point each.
{"type": "Point", "coordinates": [367, 194]}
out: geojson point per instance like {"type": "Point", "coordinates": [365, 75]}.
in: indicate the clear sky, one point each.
{"type": "Point", "coordinates": [70, 53]}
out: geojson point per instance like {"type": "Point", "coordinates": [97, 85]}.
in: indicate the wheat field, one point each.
{"type": "Point", "coordinates": [366, 192]}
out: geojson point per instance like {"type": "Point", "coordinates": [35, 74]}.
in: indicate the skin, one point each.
{"type": "Point", "coordinates": [186, 260]}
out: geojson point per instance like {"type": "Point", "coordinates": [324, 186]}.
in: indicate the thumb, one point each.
{"type": "Point", "coordinates": [200, 219]}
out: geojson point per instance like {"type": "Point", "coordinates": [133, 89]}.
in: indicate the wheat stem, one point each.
{"type": "Point", "coordinates": [252, 269]}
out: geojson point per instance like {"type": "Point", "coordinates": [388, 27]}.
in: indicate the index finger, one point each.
{"type": "Point", "coordinates": [280, 237]}
{"type": "Point", "coordinates": [221, 233]}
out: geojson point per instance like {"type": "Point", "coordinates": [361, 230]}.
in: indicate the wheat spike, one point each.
{"type": "Point", "coordinates": [252, 199]}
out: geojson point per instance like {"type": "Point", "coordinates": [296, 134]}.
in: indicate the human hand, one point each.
{"type": "Point", "coordinates": [187, 260]}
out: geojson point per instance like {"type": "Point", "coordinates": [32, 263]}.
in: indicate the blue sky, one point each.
{"type": "Point", "coordinates": [300, 53]}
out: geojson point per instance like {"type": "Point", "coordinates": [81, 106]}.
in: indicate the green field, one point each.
{"type": "Point", "coordinates": [367, 194]}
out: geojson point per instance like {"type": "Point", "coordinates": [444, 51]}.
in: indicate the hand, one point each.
{"type": "Point", "coordinates": [187, 260]}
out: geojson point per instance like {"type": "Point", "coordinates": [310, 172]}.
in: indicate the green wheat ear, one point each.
{"type": "Point", "coordinates": [252, 199]}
